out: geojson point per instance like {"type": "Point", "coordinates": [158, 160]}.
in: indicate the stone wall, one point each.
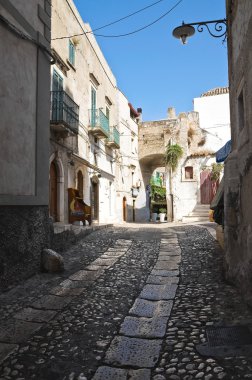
{"type": "Point", "coordinates": [238, 166]}
{"type": "Point", "coordinates": [24, 232]}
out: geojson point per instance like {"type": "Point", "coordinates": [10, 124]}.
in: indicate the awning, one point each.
{"type": "Point", "coordinates": [223, 152]}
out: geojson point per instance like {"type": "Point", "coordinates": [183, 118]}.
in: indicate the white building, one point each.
{"type": "Point", "coordinates": [214, 116]}
{"type": "Point", "coordinates": [129, 182]}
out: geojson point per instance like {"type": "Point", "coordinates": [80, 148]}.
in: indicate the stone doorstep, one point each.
{"type": "Point", "coordinates": [110, 373]}
{"type": "Point", "coordinates": [133, 352]}
{"type": "Point", "coordinates": [149, 309]}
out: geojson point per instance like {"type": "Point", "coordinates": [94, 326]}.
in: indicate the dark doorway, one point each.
{"type": "Point", "coordinates": [53, 192]}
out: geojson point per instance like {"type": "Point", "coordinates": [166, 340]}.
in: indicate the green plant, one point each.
{"type": "Point", "coordinates": [162, 210]}
{"type": "Point", "coordinates": [216, 171]}
{"type": "Point", "coordinates": [158, 193]}
{"type": "Point", "coordinates": [172, 155]}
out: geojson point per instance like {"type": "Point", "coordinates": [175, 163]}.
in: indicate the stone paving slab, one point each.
{"type": "Point", "coordinates": [109, 373]}
{"type": "Point", "coordinates": [6, 349]}
{"type": "Point", "coordinates": [35, 315]}
{"type": "Point", "coordinates": [166, 265]}
{"type": "Point", "coordinates": [85, 275]}
{"type": "Point", "coordinates": [51, 302]}
{"type": "Point", "coordinates": [69, 284]}
{"type": "Point", "coordinates": [169, 253]}
{"type": "Point", "coordinates": [96, 267]}
{"type": "Point", "coordinates": [117, 254]}
{"type": "Point", "coordinates": [105, 262]}
{"type": "Point", "coordinates": [144, 327]}
{"type": "Point", "coordinates": [66, 292]}
{"type": "Point", "coordinates": [149, 309]}
{"type": "Point", "coordinates": [117, 250]}
{"type": "Point", "coordinates": [135, 352]}
{"type": "Point", "coordinates": [159, 292]}
{"type": "Point", "coordinates": [18, 331]}
{"type": "Point", "coordinates": [174, 259]}
{"type": "Point", "coordinates": [165, 273]}
{"type": "Point", "coordinates": [162, 280]}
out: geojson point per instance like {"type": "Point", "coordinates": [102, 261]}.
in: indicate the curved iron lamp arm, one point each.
{"type": "Point", "coordinates": [220, 27]}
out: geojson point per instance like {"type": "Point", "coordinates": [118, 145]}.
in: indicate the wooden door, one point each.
{"type": "Point", "coordinates": [95, 201]}
{"type": "Point", "coordinates": [124, 209]}
{"type": "Point", "coordinates": [53, 192]}
{"type": "Point", "coordinates": [208, 187]}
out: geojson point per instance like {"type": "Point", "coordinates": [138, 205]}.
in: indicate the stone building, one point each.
{"type": "Point", "coordinates": [238, 168]}
{"type": "Point", "coordinates": [24, 154]}
{"type": "Point", "coordinates": [184, 189]}
{"type": "Point", "coordinates": [84, 116]}
{"type": "Point", "coordinates": [129, 182]}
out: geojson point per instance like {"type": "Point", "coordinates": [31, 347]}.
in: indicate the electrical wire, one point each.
{"type": "Point", "coordinates": [125, 34]}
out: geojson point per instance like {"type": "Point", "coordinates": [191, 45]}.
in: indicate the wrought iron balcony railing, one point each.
{"type": "Point", "coordinates": [114, 138]}
{"type": "Point", "coordinates": [99, 123]}
{"type": "Point", "coordinates": [64, 111]}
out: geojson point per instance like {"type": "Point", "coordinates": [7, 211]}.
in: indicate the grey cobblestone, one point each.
{"type": "Point", "coordinates": [82, 338]}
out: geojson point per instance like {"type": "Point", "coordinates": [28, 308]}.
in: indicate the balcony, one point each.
{"type": "Point", "coordinates": [114, 139]}
{"type": "Point", "coordinates": [98, 123]}
{"type": "Point", "coordinates": [64, 113]}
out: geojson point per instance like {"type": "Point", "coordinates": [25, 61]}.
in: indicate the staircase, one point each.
{"type": "Point", "coordinates": [200, 213]}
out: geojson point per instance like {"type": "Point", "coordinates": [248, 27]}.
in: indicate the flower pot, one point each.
{"type": "Point", "coordinates": [162, 217]}
{"type": "Point", "coordinates": [154, 217]}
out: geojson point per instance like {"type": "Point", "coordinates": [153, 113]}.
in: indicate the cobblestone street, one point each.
{"type": "Point", "coordinates": [133, 303]}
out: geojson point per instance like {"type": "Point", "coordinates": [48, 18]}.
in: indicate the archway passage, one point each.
{"type": "Point", "coordinates": [124, 209]}
{"type": "Point", "coordinates": [80, 183]}
{"type": "Point", "coordinates": [53, 205]}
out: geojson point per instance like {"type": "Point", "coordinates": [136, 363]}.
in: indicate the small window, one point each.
{"type": "Point", "coordinates": [71, 53]}
{"type": "Point", "coordinates": [107, 113]}
{"type": "Point", "coordinates": [188, 172]}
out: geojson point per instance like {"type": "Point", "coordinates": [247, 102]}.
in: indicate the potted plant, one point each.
{"type": "Point", "coordinates": [162, 213]}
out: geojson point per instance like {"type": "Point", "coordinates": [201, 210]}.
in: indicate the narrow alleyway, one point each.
{"type": "Point", "coordinates": [133, 303]}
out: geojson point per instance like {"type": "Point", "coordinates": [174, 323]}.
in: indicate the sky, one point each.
{"type": "Point", "coordinates": [153, 69]}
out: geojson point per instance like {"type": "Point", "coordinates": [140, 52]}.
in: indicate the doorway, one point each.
{"type": "Point", "coordinates": [124, 209]}
{"type": "Point", "coordinates": [95, 198]}
{"type": "Point", "coordinates": [208, 188]}
{"type": "Point", "coordinates": [80, 183]}
{"type": "Point", "coordinates": [53, 202]}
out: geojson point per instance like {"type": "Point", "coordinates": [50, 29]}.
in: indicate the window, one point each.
{"type": "Point", "coordinates": [71, 53]}
{"type": "Point", "coordinates": [188, 172]}
{"type": "Point", "coordinates": [107, 113]}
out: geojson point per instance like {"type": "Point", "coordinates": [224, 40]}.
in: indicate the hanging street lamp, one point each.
{"type": "Point", "coordinates": [187, 30]}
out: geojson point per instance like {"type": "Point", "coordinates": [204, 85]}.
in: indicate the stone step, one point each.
{"type": "Point", "coordinates": [188, 219]}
